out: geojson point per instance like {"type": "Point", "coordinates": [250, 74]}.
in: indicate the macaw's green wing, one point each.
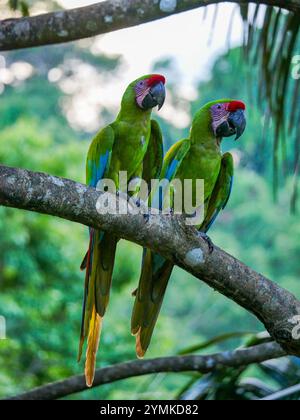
{"type": "Point", "coordinates": [99, 260]}
{"type": "Point", "coordinates": [221, 192]}
{"type": "Point", "coordinates": [99, 155]}
{"type": "Point", "coordinates": [153, 160]}
{"type": "Point", "coordinates": [156, 270]}
{"type": "Point", "coordinates": [98, 161]}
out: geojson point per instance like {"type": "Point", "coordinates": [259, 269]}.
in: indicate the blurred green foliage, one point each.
{"type": "Point", "coordinates": [266, 380]}
{"type": "Point", "coordinates": [41, 285]}
{"type": "Point", "coordinates": [24, 7]}
{"type": "Point", "coordinates": [19, 5]}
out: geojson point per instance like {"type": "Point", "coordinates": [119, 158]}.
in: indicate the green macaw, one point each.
{"type": "Point", "coordinates": [131, 143]}
{"type": "Point", "coordinates": [197, 157]}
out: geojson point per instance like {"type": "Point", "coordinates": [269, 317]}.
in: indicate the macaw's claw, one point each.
{"type": "Point", "coordinates": [207, 239]}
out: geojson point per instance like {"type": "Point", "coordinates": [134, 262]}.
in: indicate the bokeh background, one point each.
{"type": "Point", "coordinates": [52, 101]}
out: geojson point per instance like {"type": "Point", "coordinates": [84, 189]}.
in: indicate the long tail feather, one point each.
{"type": "Point", "coordinates": [87, 261]}
{"type": "Point", "coordinates": [154, 279]}
{"type": "Point", "coordinates": [103, 271]}
{"type": "Point", "coordinates": [84, 262]}
{"type": "Point", "coordinates": [92, 347]}
{"type": "Point", "coordinates": [99, 263]}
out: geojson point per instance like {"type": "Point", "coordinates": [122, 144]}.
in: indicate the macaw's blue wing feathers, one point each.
{"type": "Point", "coordinates": [221, 192]}
{"type": "Point", "coordinates": [99, 156]}
{"type": "Point", "coordinates": [97, 163]}
{"type": "Point", "coordinates": [172, 169]}
{"type": "Point", "coordinates": [173, 159]}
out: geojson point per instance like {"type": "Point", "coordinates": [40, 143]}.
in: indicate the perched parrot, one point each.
{"type": "Point", "coordinates": [132, 143]}
{"type": "Point", "coordinates": [197, 157]}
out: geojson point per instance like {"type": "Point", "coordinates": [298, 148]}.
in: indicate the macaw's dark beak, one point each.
{"type": "Point", "coordinates": [235, 125]}
{"type": "Point", "coordinates": [237, 121]}
{"type": "Point", "coordinates": [155, 96]}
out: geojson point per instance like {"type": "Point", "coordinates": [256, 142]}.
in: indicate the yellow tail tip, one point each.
{"type": "Point", "coordinates": [92, 348]}
{"type": "Point", "coordinates": [89, 382]}
{"type": "Point", "coordinates": [140, 352]}
{"type": "Point", "coordinates": [90, 368]}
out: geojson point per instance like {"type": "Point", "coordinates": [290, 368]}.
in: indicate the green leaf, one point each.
{"type": "Point", "coordinates": [13, 4]}
{"type": "Point", "coordinates": [24, 8]}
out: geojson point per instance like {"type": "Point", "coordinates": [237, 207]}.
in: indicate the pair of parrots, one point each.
{"type": "Point", "coordinates": [133, 143]}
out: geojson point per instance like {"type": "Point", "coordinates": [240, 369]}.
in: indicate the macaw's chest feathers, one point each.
{"type": "Point", "coordinates": [201, 162]}
{"type": "Point", "coordinates": [135, 138]}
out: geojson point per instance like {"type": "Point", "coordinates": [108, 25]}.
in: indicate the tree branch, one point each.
{"type": "Point", "coordinates": [101, 18]}
{"type": "Point", "coordinates": [201, 364]}
{"type": "Point", "coordinates": [169, 236]}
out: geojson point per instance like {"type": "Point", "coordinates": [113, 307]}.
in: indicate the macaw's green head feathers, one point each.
{"type": "Point", "coordinates": [146, 92]}
{"type": "Point", "coordinates": [225, 117]}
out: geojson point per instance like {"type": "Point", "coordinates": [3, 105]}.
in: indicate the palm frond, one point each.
{"type": "Point", "coordinates": [271, 39]}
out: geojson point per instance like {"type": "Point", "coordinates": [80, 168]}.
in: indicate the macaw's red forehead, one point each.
{"type": "Point", "coordinates": [156, 78]}
{"type": "Point", "coordinates": [235, 105]}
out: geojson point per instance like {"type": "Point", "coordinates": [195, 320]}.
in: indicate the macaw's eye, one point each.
{"type": "Point", "coordinates": [219, 106]}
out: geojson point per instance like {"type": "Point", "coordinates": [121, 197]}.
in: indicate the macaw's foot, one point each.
{"type": "Point", "coordinates": [207, 239]}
